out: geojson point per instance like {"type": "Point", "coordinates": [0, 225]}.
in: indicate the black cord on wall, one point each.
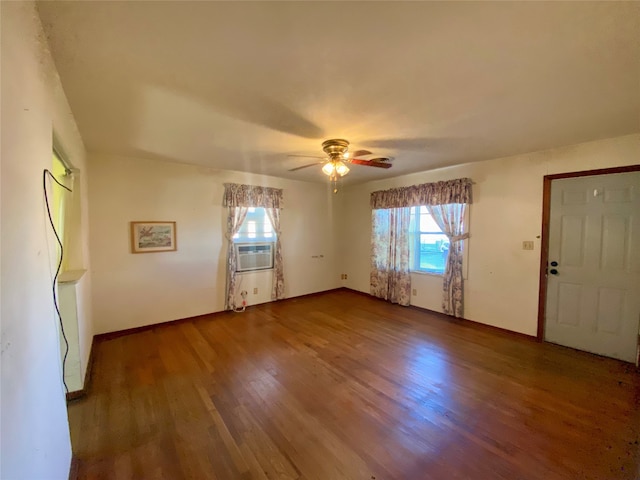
{"type": "Point", "coordinates": [55, 278]}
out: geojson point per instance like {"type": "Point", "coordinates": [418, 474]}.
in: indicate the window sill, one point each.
{"type": "Point", "coordinates": [71, 276]}
{"type": "Point", "coordinates": [428, 274]}
{"type": "Point", "coordinates": [431, 274]}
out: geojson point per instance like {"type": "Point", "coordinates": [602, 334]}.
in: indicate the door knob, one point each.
{"type": "Point", "coordinates": [553, 271]}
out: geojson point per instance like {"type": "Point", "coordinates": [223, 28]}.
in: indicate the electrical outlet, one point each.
{"type": "Point", "coordinates": [255, 291]}
{"type": "Point", "coordinates": [346, 277]}
{"type": "Point", "coordinates": [527, 245]}
{"type": "Point", "coordinates": [414, 292]}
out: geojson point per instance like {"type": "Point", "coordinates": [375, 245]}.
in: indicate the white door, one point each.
{"type": "Point", "coordinates": [593, 280]}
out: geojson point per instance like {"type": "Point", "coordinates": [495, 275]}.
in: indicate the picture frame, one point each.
{"type": "Point", "coordinates": [153, 236]}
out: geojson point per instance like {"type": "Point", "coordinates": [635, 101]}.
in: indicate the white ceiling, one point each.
{"type": "Point", "coordinates": [241, 85]}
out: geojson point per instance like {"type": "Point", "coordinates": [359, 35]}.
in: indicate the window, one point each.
{"type": "Point", "coordinates": [428, 247]}
{"type": "Point", "coordinates": [255, 228]}
{"type": "Point", "coordinates": [58, 197]}
{"type": "Point", "coordinates": [254, 243]}
{"type": "Point", "coordinates": [63, 211]}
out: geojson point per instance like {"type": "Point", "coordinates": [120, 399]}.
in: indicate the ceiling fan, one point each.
{"type": "Point", "coordinates": [338, 155]}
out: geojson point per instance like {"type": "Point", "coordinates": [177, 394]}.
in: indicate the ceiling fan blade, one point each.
{"type": "Point", "coordinates": [305, 166]}
{"type": "Point", "coordinates": [359, 153]}
{"type": "Point", "coordinates": [306, 156]}
{"type": "Point", "coordinates": [376, 162]}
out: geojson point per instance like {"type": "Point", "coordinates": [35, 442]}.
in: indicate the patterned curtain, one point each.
{"type": "Point", "coordinates": [390, 278]}
{"type": "Point", "coordinates": [234, 221]}
{"type": "Point", "coordinates": [238, 198]}
{"type": "Point", "coordinates": [239, 195]}
{"type": "Point", "coordinates": [438, 193]}
{"type": "Point", "coordinates": [277, 288]}
{"type": "Point", "coordinates": [447, 202]}
{"type": "Point", "coordinates": [450, 219]}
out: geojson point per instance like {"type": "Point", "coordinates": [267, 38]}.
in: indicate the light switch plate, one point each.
{"type": "Point", "coordinates": [527, 245]}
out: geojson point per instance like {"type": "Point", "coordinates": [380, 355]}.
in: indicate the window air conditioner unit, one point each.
{"type": "Point", "coordinates": [254, 256]}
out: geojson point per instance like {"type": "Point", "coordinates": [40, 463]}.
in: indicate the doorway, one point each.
{"type": "Point", "coordinates": [590, 262]}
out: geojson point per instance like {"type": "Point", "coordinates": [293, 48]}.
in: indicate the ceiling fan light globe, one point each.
{"type": "Point", "coordinates": [328, 168]}
{"type": "Point", "coordinates": [342, 169]}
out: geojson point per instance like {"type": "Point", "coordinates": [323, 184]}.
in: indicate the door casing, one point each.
{"type": "Point", "coordinates": [544, 243]}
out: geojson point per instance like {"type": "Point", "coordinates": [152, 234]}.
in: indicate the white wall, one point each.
{"type": "Point", "coordinates": [502, 284]}
{"type": "Point", "coordinates": [34, 432]}
{"type": "Point", "coordinates": [131, 290]}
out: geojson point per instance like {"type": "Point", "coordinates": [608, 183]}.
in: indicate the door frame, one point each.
{"type": "Point", "coordinates": [544, 243]}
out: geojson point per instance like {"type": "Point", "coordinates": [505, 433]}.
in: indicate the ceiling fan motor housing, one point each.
{"type": "Point", "coordinates": [336, 147]}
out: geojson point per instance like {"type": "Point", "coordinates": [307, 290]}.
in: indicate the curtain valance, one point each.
{"type": "Point", "coordinates": [438, 193]}
{"type": "Point", "coordinates": [238, 195]}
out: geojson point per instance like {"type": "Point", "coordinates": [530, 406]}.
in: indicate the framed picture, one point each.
{"type": "Point", "coordinates": [149, 237]}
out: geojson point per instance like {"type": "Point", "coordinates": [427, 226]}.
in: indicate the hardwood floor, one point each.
{"type": "Point", "coordinates": [342, 386]}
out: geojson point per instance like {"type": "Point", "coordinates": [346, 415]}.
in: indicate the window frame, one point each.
{"type": "Point", "coordinates": [415, 236]}
{"type": "Point", "coordinates": [414, 247]}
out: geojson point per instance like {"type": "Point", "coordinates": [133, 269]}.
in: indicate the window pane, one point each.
{"type": "Point", "coordinates": [58, 196]}
{"type": "Point", "coordinates": [256, 227]}
{"type": "Point", "coordinates": [429, 246]}
{"type": "Point", "coordinates": [428, 224]}
{"type": "Point", "coordinates": [434, 249]}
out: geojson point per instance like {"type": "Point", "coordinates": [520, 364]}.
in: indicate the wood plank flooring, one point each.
{"type": "Point", "coordinates": [342, 386]}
